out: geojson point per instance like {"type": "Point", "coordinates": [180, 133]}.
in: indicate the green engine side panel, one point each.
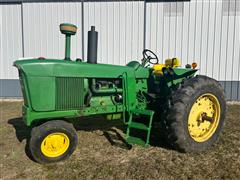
{"type": "Point", "coordinates": [42, 93]}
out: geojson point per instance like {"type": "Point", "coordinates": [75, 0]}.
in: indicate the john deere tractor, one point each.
{"type": "Point", "coordinates": [190, 108]}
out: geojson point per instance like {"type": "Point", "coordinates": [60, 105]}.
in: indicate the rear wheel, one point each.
{"type": "Point", "coordinates": [196, 114]}
{"type": "Point", "coordinates": [204, 117]}
{"type": "Point", "coordinates": [53, 141]}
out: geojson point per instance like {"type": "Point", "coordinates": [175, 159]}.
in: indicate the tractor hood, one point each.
{"type": "Point", "coordinates": [61, 68]}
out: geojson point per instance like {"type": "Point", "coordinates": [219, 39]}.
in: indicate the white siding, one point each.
{"type": "Point", "coordinates": [41, 29]}
{"type": "Point", "coordinates": [1, 43]}
{"type": "Point", "coordinates": [120, 27]}
{"type": "Point", "coordinates": [10, 40]}
{"type": "Point", "coordinates": [203, 31]}
{"type": "Point", "coordinates": [205, 34]}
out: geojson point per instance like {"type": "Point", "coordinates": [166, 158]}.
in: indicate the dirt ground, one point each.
{"type": "Point", "coordinates": [102, 155]}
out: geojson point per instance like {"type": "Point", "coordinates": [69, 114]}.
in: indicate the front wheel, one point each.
{"type": "Point", "coordinates": [52, 141]}
{"type": "Point", "coordinates": [196, 114]}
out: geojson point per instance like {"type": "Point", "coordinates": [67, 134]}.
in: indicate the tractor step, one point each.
{"type": "Point", "coordinates": [135, 140]}
{"type": "Point", "coordinates": [140, 126]}
{"type": "Point", "coordinates": [143, 112]}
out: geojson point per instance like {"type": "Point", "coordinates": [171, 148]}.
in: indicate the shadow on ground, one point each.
{"type": "Point", "coordinates": [22, 131]}
{"type": "Point", "coordinates": [113, 131]}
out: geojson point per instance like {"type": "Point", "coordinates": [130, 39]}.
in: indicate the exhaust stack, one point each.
{"type": "Point", "coordinates": [92, 46]}
{"type": "Point", "coordinates": [68, 30]}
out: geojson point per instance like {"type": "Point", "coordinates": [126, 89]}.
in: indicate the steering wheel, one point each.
{"type": "Point", "coordinates": [148, 56]}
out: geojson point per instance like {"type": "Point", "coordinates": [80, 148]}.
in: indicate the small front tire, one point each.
{"type": "Point", "coordinates": [52, 141]}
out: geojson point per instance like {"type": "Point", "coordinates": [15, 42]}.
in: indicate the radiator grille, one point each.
{"type": "Point", "coordinates": [69, 93]}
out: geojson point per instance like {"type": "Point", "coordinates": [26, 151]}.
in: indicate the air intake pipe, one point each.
{"type": "Point", "coordinates": [68, 30]}
{"type": "Point", "coordinates": [92, 46]}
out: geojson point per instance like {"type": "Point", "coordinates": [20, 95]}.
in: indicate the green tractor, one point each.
{"type": "Point", "coordinates": [189, 108]}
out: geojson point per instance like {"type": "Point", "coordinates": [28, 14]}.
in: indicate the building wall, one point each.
{"type": "Point", "coordinates": [11, 39]}
{"type": "Point", "coordinates": [204, 31]}
{"type": "Point", "coordinates": [120, 25]}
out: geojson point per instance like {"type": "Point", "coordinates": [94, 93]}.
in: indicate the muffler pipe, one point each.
{"type": "Point", "coordinates": [92, 46]}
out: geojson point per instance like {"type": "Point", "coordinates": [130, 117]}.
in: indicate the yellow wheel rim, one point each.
{"type": "Point", "coordinates": [55, 144]}
{"type": "Point", "coordinates": [204, 117]}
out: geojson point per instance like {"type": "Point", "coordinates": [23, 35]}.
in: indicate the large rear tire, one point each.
{"type": "Point", "coordinates": [196, 114]}
{"type": "Point", "coordinates": [52, 141]}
